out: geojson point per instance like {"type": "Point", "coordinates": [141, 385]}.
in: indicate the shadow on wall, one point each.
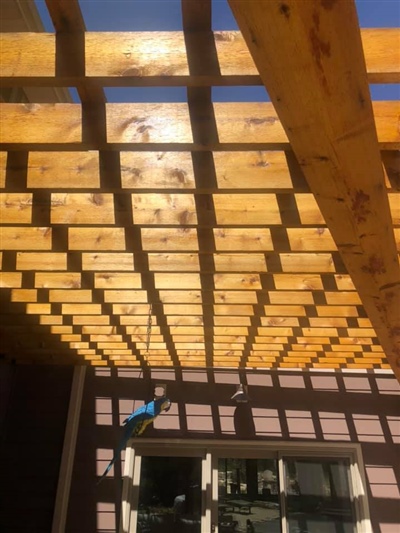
{"type": "Point", "coordinates": [289, 406]}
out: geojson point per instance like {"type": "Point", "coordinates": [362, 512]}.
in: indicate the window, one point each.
{"type": "Point", "coordinates": [243, 487]}
{"type": "Point", "coordinates": [318, 497]}
{"type": "Point", "coordinates": [169, 495]}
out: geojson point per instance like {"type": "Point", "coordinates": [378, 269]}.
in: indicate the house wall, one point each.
{"type": "Point", "coordinates": [290, 406]}
{"type": "Point", "coordinates": [33, 412]}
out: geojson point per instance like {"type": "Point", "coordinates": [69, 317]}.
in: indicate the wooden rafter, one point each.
{"type": "Point", "coordinates": [317, 82]}
{"type": "Point", "coordinates": [70, 62]}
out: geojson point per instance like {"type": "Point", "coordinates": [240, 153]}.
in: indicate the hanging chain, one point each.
{"type": "Point", "coordinates": [149, 324]}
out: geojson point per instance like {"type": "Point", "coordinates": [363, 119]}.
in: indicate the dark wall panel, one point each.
{"type": "Point", "coordinates": [33, 419]}
{"type": "Point", "coordinates": [289, 406]}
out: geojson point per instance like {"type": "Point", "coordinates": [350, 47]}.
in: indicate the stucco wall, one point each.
{"type": "Point", "coordinates": [324, 407]}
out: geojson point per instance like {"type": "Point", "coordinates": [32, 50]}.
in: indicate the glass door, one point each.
{"type": "Point", "coordinates": [183, 488]}
{"type": "Point", "coordinates": [248, 495]}
{"type": "Point", "coordinates": [170, 496]}
{"type": "Point", "coordinates": [167, 490]}
{"type": "Point", "coordinates": [318, 498]}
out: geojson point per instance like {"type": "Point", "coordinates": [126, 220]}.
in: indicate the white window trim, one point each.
{"type": "Point", "coordinates": [210, 450]}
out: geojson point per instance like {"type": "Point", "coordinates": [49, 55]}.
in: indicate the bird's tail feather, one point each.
{"type": "Point", "coordinates": [110, 464]}
{"type": "Point", "coordinates": [117, 453]}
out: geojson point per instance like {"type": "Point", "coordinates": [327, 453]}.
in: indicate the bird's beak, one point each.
{"type": "Point", "coordinates": [166, 406]}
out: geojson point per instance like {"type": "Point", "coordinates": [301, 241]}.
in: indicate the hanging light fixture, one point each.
{"type": "Point", "coordinates": [241, 394]}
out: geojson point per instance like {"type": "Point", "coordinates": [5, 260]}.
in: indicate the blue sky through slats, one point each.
{"type": "Point", "coordinates": [165, 15]}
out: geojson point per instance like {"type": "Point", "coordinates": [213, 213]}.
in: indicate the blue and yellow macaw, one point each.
{"type": "Point", "coordinates": [136, 423]}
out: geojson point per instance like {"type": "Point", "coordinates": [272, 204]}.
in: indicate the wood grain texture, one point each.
{"type": "Point", "coordinates": [3, 166]}
{"type": "Point", "coordinates": [54, 170]}
{"type": "Point", "coordinates": [160, 58]}
{"type": "Point", "coordinates": [200, 209]}
{"type": "Point", "coordinates": [141, 54]}
{"type": "Point", "coordinates": [93, 208]}
{"type": "Point", "coordinates": [157, 170]}
{"type": "Point", "coordinates": [15, 208]}
{"type": "Point", "coordinates": [325, 107]}
{"type": "Point", "coordinates": [167, 126]}
{"type": "Point", "coordinates": [40, 123]}
{"type": "Point", "coordinates": [41, 261]}
{"type": "Point", "coordinates": [20, 51]}
{"type": "Point", "coordinates": [70, 28]}
{"type": "Point", "coordinates": [26, 238]}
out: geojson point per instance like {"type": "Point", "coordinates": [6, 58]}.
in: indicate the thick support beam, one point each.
{"type": "Point", "coordinates": [310, 58]}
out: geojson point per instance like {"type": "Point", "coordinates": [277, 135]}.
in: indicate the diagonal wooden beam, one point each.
{"type": "Point", "coordinates": [310, 58]}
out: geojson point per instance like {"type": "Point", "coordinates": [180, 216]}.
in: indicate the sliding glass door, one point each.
{"type": "Point", "coordinates": [170, 495]}
{"type": "Point", "coordinates": [318, 495]}
{"type": "Point", "coordinates": [248, 495]}
{"type": "Point", "coordinates": [254, 488]}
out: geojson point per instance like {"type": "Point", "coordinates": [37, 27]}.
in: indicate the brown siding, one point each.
{"type": "Point", "coordinates": [33, 418]}
{"type": "Point", "coordinates": [289, 406]}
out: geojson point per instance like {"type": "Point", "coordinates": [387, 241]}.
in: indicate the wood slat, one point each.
{"type": "Point", "coordinates": [159, 58]}
{"type": "Point", "coordinates": [94, 208]}
{"type": "Point", "coordinates": [15, 208]}
{"type": "Point", "coordinates": [3, 167]}
{"type": "Point", "coordinates": [240, 262]}
{"type": "Point", "coordinates": [26, 238]}
{"type": "Point", "coordinates": [57, 280]}
{"type": "Point", "coordinates": [246, 209]}
{"type": "Point", "coordinates": [20, 51]}
{"type": "Point", "coordinates": [165, 127]}
{"type": "Point", "coordinates": [173, 171]}
{"type": "Point", "coordinates": [160, 209]}
{"type": "Point", "coordinates": [96, 239]}
{"type": "Point", "coordinates": [231, 239]}
{"type": "Point", "coordinates": [41, 261]}
{"type": "Point", "coordinates": [162, 170]}
{"type": "Point", "coordinates": [173, 262]}
{"type": "Point", "coordinates": [263, 170]}
{"type": "Point", "coordinates": [43, 123]}
{"type": "Point", "coordinates": [10, 280]}
{"type": "Point", "coordinates": [108, 261]}
{"type": "Point", "coordinates": [63, 170]}
{"type": "Point", "coordinates": [117, 280]}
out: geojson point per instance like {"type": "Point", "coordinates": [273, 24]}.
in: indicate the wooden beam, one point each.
{"type": "Point", "coordinates": [317, 81]}
{"type": "Point", "coordinates": [70, 29]}
{"type": "Point", "coordinates": [164, 127]}
{"type": "Point", "coordinates": [68, 453]}
{"type": "Point", "coordinates": [70, 62]}
{"type": "Point", "coordinates": [153, 58]}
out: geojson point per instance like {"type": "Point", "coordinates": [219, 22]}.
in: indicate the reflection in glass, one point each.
{"type": "Point", "coordinates": [318, 496]}
{"type": "Point", "coordinates": [248, 496]}
{"type": "Point", "coordinates": [170, 495]}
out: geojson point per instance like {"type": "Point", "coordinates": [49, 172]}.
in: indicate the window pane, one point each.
{"type": "Point", "coordinates": [318, 496]}
{"type": "Point", "coordinates": [248, 496]}
{"type": "Point", "coordinates": [170, 495]}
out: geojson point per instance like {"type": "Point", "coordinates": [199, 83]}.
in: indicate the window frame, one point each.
{"type": "Point", "coordinates": [211, 450]}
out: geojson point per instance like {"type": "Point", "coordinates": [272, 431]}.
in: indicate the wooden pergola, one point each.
{"type": "Point", "coordinates": [201, 234]}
